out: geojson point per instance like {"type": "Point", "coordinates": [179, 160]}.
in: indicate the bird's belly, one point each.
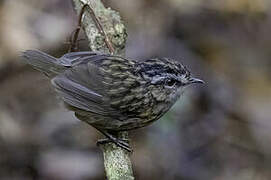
{"type": "Point", "coordinates": [143, 118]}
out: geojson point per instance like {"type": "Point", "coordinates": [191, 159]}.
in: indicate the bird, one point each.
{"type": "Point", "coordinates": [113, 93]}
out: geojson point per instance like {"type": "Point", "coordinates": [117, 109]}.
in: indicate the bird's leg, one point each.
{"type": "Point", "coordinates": [123, 143]}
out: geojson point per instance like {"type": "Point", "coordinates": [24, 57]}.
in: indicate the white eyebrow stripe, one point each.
{"type": "Point", "coordinates": [159, 78]}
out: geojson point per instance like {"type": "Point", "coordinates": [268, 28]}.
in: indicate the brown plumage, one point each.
{"type": "Point", "coordinates": [112, 93]}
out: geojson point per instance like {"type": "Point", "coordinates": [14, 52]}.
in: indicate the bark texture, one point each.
{"type": "Point", "coordinates": [117, 162]}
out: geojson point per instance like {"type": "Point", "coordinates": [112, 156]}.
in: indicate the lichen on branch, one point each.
{"type": "Point", "coordinates": [117, 162]}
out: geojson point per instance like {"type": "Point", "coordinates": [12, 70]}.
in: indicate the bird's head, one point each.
{"type": "Point", "coordinates": [166, 76]}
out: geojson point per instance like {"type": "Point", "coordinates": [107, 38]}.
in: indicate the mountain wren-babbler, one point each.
{"type": "Point", "coordinates": [112, 93]}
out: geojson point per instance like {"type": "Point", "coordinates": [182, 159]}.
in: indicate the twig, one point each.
{"type": "Point", "coordinates": [98, 25]}
{"type": "Point", "coordinates": [74, 38]}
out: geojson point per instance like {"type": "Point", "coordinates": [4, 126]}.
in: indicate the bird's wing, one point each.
{"type": "Point", "coordinates": [83, 57]}
{"type": "Point", "coordinates": [82, 87]}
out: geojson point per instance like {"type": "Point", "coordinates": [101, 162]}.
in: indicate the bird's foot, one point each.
{"type": "Point", "coordinates": [120, 142]}
{"type": "Point", "coordinates": [123, 143]}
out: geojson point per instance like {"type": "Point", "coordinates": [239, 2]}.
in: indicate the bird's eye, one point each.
{"type": "Point", "coordinates": [170, 82]}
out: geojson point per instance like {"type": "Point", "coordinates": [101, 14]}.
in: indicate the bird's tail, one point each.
{"type": "Point", "coordinates": [43, 62]}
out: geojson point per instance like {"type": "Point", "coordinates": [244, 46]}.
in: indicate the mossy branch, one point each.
{"type": "Point", "coordinates": [117, 162]}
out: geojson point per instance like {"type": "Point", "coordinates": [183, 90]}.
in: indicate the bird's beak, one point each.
{"type": "Point", "coordinates": [195, 80]}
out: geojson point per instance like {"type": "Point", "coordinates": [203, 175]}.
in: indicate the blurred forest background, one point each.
{"type": "Point", "coordinates": [220, 131]}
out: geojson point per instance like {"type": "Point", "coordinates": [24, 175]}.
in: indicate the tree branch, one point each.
{"type": "Point", "coordinates": [116, 160]}
{"type": "Point", "coordinates": [111, 24]}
